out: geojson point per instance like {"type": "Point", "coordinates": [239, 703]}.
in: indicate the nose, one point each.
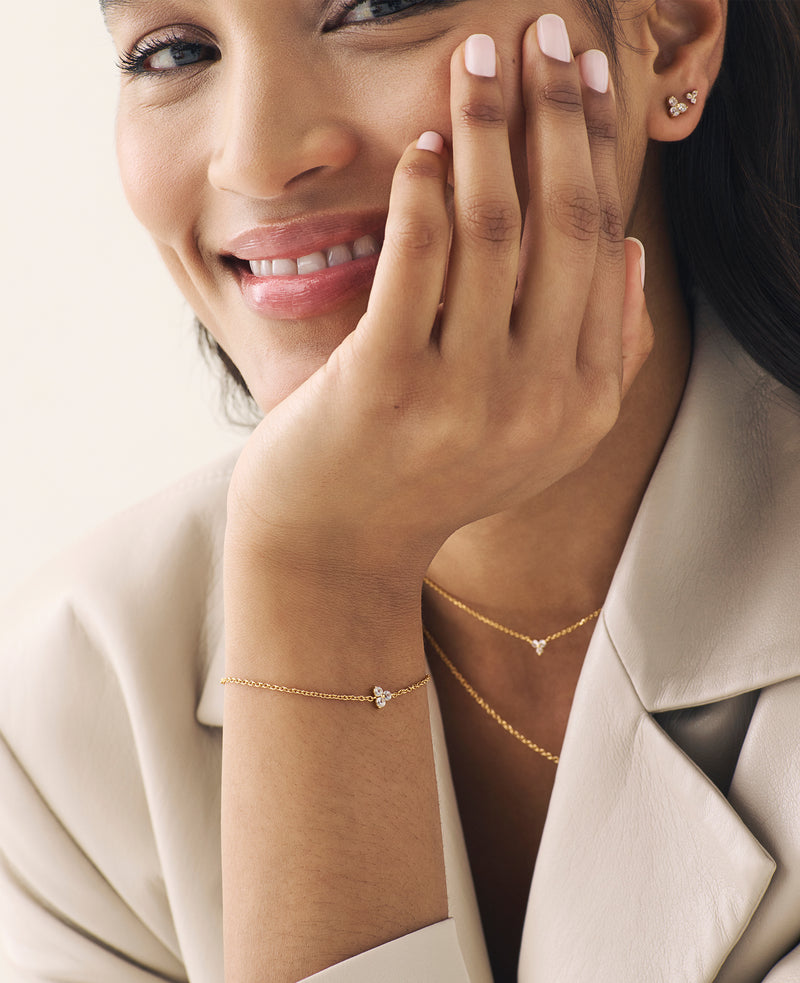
{"type": "Point", "coordinates": [276, 128]}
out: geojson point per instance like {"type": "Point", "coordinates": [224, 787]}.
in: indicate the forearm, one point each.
{"type": "Point", "coordinates": [331, 840]}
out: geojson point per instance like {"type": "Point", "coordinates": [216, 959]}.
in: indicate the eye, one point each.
{"type": "Point", "coordinates": [359, 11]}
{"type": "Point", "coordinates": [176, 56]}
{"type": "Point", "coordinates": [168, 53]}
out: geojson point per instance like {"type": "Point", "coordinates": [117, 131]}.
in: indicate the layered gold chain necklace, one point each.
{"type": "Point", "coordinates": [538, 644]}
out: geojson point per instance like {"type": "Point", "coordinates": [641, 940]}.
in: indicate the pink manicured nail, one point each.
{"type": "Point", "coordinates": [642, 261]}
{"type": "Point", "coordinates": [431, 141]}
{"type": "Point", "coordinates": [593, 67]}
{"type": "Point", "coordinates": [553, 38]}
{"type": "Point", "coordinates": [480, 56]}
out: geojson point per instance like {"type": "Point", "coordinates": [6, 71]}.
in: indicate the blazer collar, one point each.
{"type": "Point", "coordinates": [644, 870]}
{"type": "Point", "coordinates": [643, 862]}
{"type": "Point", "coordinates": [703, 604]}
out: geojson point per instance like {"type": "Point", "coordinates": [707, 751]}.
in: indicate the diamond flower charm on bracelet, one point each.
{"type": "Point", "coordinates": [382, 697]}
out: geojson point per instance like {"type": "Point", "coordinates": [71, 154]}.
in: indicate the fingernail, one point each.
{"type": "Point", "coordinates": [430, 140]}
{"type": "Point", "coordinates": [593, 67]}
{"type": "Point", "coordinates": [480, 56]}
{"type": "Point", "coordinates": [553, 38]}
{"type": "Point", "coordinates": [642, 261]}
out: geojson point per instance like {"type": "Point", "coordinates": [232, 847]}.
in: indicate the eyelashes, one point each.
{"type": "Point", "coordinates": [364, 11]}
{"type": "Point", "coordinates": [372, 11]}
{"type": "Point", "coordinates": [181, 48]}
{"type": "Point", "coordinates": [176, 45]}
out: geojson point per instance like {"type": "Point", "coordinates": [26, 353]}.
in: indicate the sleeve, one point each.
{"type": "Point", "coordinates": [60, 919]}
{"type": "Point", "coordinates": [429, 955]}
{"type": "Point", "coordinates": [73, 814]}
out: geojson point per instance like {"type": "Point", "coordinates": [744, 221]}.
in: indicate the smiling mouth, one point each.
{"type": "Point", "coordinates": [338, 255]}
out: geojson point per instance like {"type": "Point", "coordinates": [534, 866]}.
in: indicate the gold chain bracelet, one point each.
{"type": "Point", "coordinates": [379, 696]}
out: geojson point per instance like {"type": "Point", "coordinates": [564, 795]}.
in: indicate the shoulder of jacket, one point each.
{"type": "Point", "coordinates": [162, 555]}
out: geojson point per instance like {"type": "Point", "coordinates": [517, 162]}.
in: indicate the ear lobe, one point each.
{"type": "Point", "coordinates": [687, 37]}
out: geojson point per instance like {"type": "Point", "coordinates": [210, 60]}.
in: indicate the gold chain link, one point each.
{"type": "Point", "coordinates": [379, 695]}
{"type": "Point", "coordinates": [485, 706]}
{"type": "Point", "coordinates": [537, 643]}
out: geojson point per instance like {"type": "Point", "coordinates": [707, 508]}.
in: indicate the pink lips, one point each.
{"type": "Point", "coordinates": [308, 294]}
{"type": "Point", "coordinates": [311, 294]}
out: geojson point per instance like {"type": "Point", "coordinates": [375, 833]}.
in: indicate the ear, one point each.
{"type": "Point", "coordinates": [687, 39]}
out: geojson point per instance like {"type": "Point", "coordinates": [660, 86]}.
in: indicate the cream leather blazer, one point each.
{"type": "Point", "coordinates": [671, 850]}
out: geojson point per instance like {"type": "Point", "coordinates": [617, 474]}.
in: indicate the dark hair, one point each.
{"type": "Point", "coordinates": [236, 400]}
{"type": "Point", "coordinates": [732, 189]}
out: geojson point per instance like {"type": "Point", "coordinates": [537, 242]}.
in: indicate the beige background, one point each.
{"type": "Point", "coordinates": [103, 396]}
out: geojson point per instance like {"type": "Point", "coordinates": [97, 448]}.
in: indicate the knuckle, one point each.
{"type": "Point", "coordinates": [561, 96]}
{"type": "Point", "coordinates": [494, 221]}
{"type": "Point", "coordinates": [550, 417]}
{"type": "Point", "coordinates": [602, 419]}
{"type": "Point", "coordinates": [602, 404]}
{"type": "Point", "coordinates": [575, 212]}
{"type": "Point", "coordinates": [421, 168]}
{"type": "Point", "coordinates": [612, 221]}
{"type": "Point", "coordinates": [414, 236]}
{"type": "Point", "coordinates": [483, 114]}
{"type": "Point", "coordinates": [602, 131]}
{"type": "Point", "coordinates": [639, 348]}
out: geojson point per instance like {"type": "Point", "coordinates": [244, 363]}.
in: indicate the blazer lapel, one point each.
{"type": "Point", "coordinates": [645, 870]}
{"type": "Point", "coordinates": [643, 862]}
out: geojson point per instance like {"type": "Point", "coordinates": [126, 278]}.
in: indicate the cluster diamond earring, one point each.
{"type": "Point", "coordinates": [678, 108]}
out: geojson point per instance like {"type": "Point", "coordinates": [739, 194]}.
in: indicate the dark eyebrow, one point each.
{"type": "Point", "coordinates": [108, 7]}
{"type": "Point", "coordinates": [112, 6]}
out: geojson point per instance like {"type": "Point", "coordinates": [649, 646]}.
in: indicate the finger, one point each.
{"type": "Point", "coordinates": [484, 261]}
{"type": "Point", "coordinates": [600, 341]}
{"type": "Point", "coordinates": [563, 213]}
{"type": "Point", "coordinates": [409, 279]}
{"type": "Point", "coordinates": [637, 328]}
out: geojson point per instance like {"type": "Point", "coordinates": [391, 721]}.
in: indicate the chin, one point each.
{"type": "Point", "coordinates": [277, 379]}
{"type": "Point", "coordinates": [302, 348]}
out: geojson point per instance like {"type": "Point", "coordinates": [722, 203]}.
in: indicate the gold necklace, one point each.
{"type": "Point", "coordinates": [537, 643]}
{"type": "Point", "coordinates": [484, 705]}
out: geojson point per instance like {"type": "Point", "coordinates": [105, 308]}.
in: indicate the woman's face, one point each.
{"type": "Point", "coordinates": [261, 130]}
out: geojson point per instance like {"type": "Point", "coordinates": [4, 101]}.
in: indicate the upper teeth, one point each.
{"type": "Point", "coordinates": [335, 256]}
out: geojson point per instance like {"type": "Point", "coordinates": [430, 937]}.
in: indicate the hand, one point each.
{"type": "Point", "coordinates": [431, 415]}
{"type": "Point", "coordinates": [428, 416]}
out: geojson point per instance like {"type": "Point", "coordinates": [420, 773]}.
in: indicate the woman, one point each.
{"type": "Point", "coordinates": [464, 395]}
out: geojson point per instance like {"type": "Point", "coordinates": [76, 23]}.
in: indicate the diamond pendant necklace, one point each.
{"type": "Point", "coordinates": [484, 705]}
{"type": "Point", "coordinates": [539, 644]}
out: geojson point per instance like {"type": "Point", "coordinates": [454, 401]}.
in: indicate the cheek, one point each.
{"type": "Point", "coordinates": [397, 100]}
{"type": "Point", "coordinates": [162, 172]}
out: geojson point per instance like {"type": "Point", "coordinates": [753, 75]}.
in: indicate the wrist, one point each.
{"type": "Point", "coordinates": [319, 623]}
{"type": "Point", "coordinates": [330, 546]}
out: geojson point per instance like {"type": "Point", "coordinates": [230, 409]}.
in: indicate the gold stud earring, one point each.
{"type": "Point", "coordinates": [676, 108]}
